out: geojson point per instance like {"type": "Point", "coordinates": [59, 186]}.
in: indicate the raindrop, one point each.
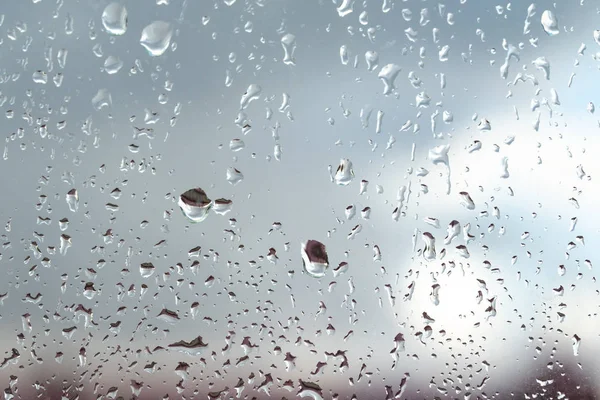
{"type": "Point", "coordinates": [288, 42]}
{"type": "Point", "coordinates": [429, 249]}
{"type": "Point", "coordinates": [234, 176]}
{"type": "Point", "coordinates": [550, 23]}
{"type": "Point", "coordinates": [222, 206]}
{"type": "Point", "coordinates": [388, 75]}
{"type": "Point", "coordinates": [112, 65]}
{"type": "Point", "coordinates": [236, 145]}
{"type": "Point", "coordinates": [251, 94]}
{"type": "Point", "coordinates": [114, 19]}
{"type": "Point", "coordinates": [146, 269]}
{"type": "Point", "coordinates": [344, 173]}
{"type": "Point", "coordinates": [195, 204]}
{"type": "Point", "coordinates": [73, 200]}
{"type": "Point", "coordinates": [466, 201]}
{"type": "Point", "coordinates": [345, 7]}
{"type": "Point", "coordinates": [372, 59]}
{"type": "Point", "coordinates": [156, 37]}
{"type": "Point", "coordinates": [314, 258]}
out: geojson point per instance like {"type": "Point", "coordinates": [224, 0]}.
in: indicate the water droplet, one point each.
{"type": "Point", "coordinates": [251, 94]}
{"type": "Point", "coordinates": [476, 145]}
{"type": "Point", "coordinates": [40, 77]}
{"type": "Point", "coordinates": [168, 316]}
{"type": "Point", "coordinates": [344, 56]}
{"type": "Point", "coordinates": [156, 37]}
{"type": "Point", "coordinates": [147, 269]}
{"type": "Point", "coordinates": [484, 125]}
{"type": "Point", "coordinates": [434, 296]}
{"type": "Point", "coordinates": [550, 23]}
{"type": "Point", "coordinates": [222, 206]}
{"type": "Point", "coordinates": [288, 42]}
{"type": "Point", "coordinates": [344, 173]}
{"type": "Point", "coordinates": [102, 99]}
{"type": "Point", "coordinates": [364, 185]}
{"type": "Point", "coordinates": [447, 117]}
{"type": "Point", "coordinates": [462, 251]}
{"type": "Point", "coordinates": [345, 7]}
{"type": "Point", "coordinates": [543, 64]}
{"type": "Point", "coordinates": [114, 19]}
{"type": "Point", "coordinates": [432, 221]}
{"type": "Point", "coordinates": [453, 231]}
{"type": "Point", "coordinates": [236, 145]}
{"type": "Point", "coordinates": [443, 54]}
{"type": "Point", "coordinates": [576, 344]}
{"type": "Point", "coordinates": [466, 201]}
{"type": "Point", "coordinates": [112, 65]}
{"type": "Point", "coordinates": [591, 108]}
{"type": "Point", "coordinates": [234, 176]}
{"type": "Point", "coordinates": [429, 249]}
{"type": "Point", "coordinates": [65, 243]}
{"type": "Point", "coordinates": [422, 100]}
{"type": "Point", "coordinates": [371, 58]}
{"type": "Point", "coordinates": [596, 36]}
{"type": "Point", "coordinates": [314, 258]}
{"type": "Point", "coordinates": [195, 204]}
{"type": "Point", "coordinates": [388, 75]}
{"type": "Point", "coordinates": [439, 155]}
{"type": "Point", "coordinates": [73, 200]}
{"type": "Point", "coordinates": [363, 18]}
{"type": "Point", "coordinates": [504, 168]}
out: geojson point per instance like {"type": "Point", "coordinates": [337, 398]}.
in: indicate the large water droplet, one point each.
{"type": "Point", "coordinates": [195, 204]}
{"type": "Point", "coordinates": [114, 19]}
{"type": "Point", "coordinates": [543, 64]}
{"type": "Point", "coordinates": [147, 269]}
{"type": "Point", "coordinates": [314, 258]}
{"type": "Point", "coordinates": [156, 37]}
{"type": "Point", "coordinates": [288, 42]}
{"type": "Point", "coordinates": [234, 176]}
{"type": "Point", "coordinates": [550, 23]}
{"type": "Point", "coordinates": [344, 173]}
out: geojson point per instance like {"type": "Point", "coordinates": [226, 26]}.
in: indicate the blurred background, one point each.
{"type": "Point", "coordinates": [466, 217]}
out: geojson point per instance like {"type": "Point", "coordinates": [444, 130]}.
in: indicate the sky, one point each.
{"type": "Point", "coordinates": [59, 138]}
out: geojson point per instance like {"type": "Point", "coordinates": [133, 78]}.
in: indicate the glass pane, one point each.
{"type": "Point", "coordinates": [332, 199]}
